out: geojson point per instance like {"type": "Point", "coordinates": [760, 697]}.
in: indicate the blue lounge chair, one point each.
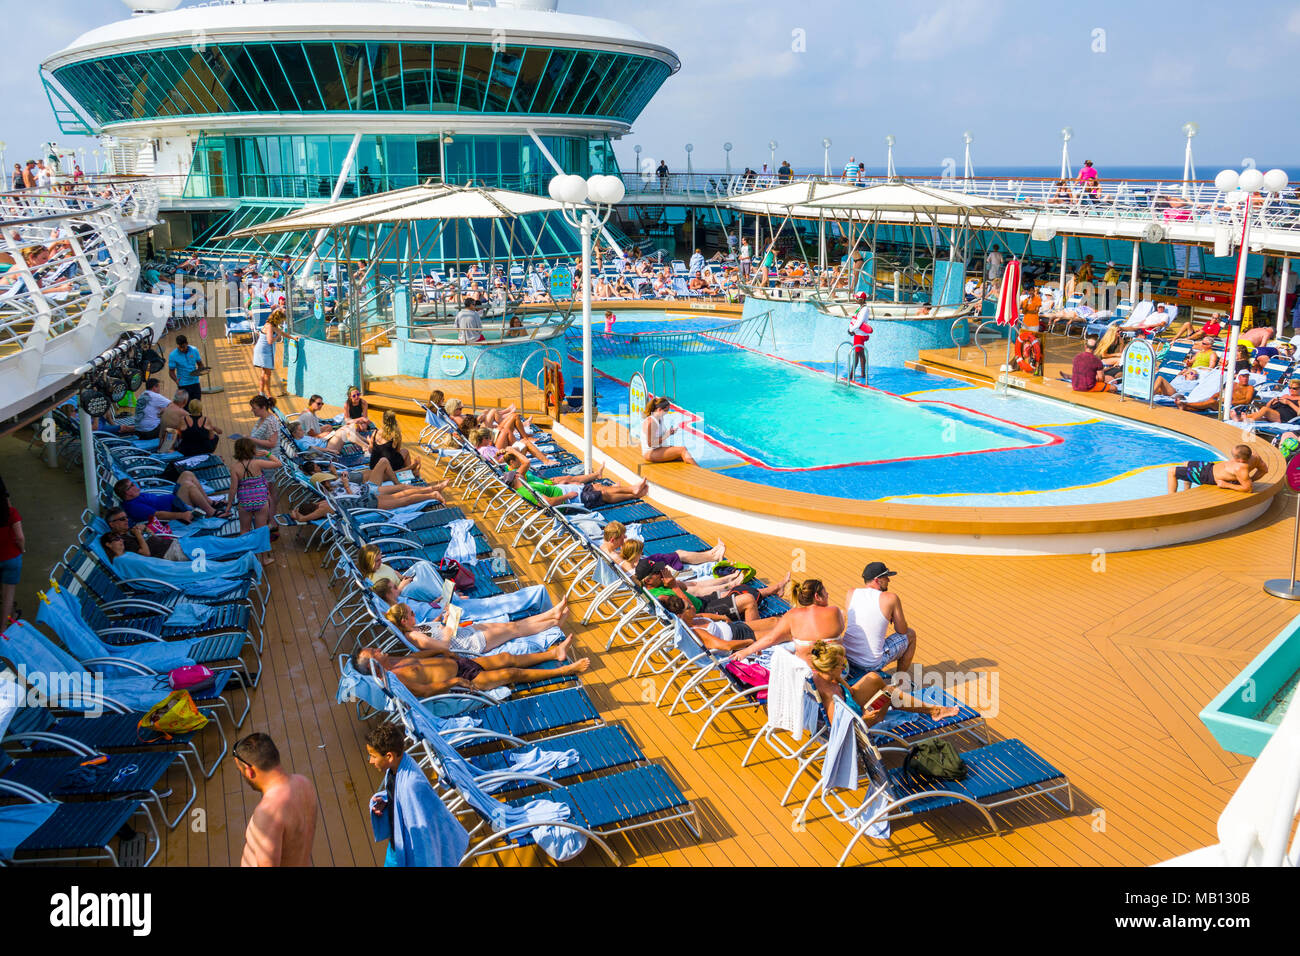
{"type": "Point", "coordinates": [43, 826]}
{"type": "Point", "coordinates": [998, 774]}
{"type": "Point", "coordinates": [617, 803]}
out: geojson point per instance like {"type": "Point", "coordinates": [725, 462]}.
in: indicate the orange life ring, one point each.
{"type": "Point", "coordinates": [1028, 353]}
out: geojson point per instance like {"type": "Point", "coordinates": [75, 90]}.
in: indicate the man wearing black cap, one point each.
{"type": "Point", "coordinates": [871, 611]}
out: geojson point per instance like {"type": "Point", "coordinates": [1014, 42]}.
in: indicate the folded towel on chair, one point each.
{"type": "Point", "coordinates": [786, 699]}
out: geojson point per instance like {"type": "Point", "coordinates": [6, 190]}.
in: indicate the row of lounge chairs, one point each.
{"type": "Point", "coordinates": [693, 680]}
{"type": "Point", "coordinates": [76, 769]}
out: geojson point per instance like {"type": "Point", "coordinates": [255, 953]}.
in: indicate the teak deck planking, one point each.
{"type": "Point", "coordinates": [1101, 671]}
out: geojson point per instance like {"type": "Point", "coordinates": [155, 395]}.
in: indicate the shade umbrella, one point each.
{"type": "Point", "coordinates": [1008, 313]}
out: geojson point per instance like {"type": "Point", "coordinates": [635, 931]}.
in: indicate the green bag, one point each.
{"type": "Point", "coordinates": [935, 759]}
{"type": "Point", "coordinates": [724, 568]}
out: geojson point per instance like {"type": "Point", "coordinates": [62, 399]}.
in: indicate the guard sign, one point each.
{"type": "Point", "coordinates": [1139, 379]}
{"type": "Point", "coordinates": [562, 283]}
{"type": "Point", "coordinates": [637, 396]}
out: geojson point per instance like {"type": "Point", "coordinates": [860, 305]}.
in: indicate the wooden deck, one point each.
{"type": "Point", "coordinates": [1101, 665]}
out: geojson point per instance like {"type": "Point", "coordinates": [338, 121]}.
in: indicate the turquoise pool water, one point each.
{"type": "Point", "coordinates": [912, 437]}
{"type": "Point", "coordinates": [783, 416]}
{"type": "Point", "coordinates": [1274, 710]}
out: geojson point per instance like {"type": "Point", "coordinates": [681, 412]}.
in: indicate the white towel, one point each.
{"type": "Point", "coordinates": [633, 532]}
{"type": "Point", "coordinates": [461, 547]}
{"type": "Point", "coordinates": [786, 697]}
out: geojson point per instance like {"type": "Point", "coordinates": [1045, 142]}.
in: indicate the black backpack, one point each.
{"type": "Point", "coordinates": [936, 760]}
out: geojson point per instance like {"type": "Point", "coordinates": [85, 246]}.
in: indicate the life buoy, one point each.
{"type": "Point", "coordinates": [1028, 353]}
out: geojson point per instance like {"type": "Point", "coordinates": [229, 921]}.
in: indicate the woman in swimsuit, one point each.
{"type": "Point", "coordinates": [356, 412]}
{"type": "Point", "coordinates": [653, 435]}
{"type": "Point", "coordinates": [388, 445]}
{"type": "Point", "coordinates": [812, 619]}
{"type": "Point", "coordinates": [249, 487]}
{"type": "Point", "coordinates": [870, 698]}
{"type": "Point", "coordinates": [199, 436]}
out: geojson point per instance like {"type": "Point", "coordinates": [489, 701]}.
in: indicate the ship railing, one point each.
{"type": "Point", "coordinates": [71, 268]}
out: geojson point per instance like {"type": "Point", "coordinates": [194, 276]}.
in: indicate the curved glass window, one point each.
{"type": "Point", "coordinates": [291, 77]}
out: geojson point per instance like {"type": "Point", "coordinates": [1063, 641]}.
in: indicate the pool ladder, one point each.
{"type": "Point", "coordinates": [655, 369]}
{"type": "Point", "coordinates": [866, 356]}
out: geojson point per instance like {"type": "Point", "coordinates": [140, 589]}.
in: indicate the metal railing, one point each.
{"type": "Point", "coordinates": [70, 267]}
{"type": "Point", "coordinates": [136, 197]}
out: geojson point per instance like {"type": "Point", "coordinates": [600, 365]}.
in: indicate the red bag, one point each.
{"type": "Point", "coordinates": [461, 576]}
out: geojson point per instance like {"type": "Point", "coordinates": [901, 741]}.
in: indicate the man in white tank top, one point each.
{"type": "Point", "coordinates": [870, 612]}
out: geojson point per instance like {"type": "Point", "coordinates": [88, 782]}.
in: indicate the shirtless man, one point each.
{"type": "Point", "coordinates": [428, 673]}
{"type": "Point", "coordinates": [174, 417]}
{"type": "Point", "coordinates": [479, 639]}
{"type": "Point", "coordinates": [1237, 474]}
{"type": "Point", "coordinates": [812, 619]}
{"type": "Point", "coordinates": [283, 824]}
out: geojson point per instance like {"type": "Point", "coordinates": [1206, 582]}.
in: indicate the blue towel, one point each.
{"type": "Point", "coordinates": [182, 529]}
{"type": "Point", "coordinates": [222, 547]}
{"type": "Point", "coordinates": [531, 644]}
{"type": "Point", "coordinates": [421, 831]}
{"type": "Point", "coordinates": [190, 615]}
{"type": "Point", "coordinates": [20, 822]}
{"type": "Point", "coordinates": [61, 615]}
{"type": "Point", "coordinates": [537, 762]}
{"type": "Point", "coordinates": [214, 579]}
{"type": "Point", "coordinates": [840, 764]}
{"type": "Point", "coordinates": [426, 582]}
{"type": "Point", "coordinates": [533, 599]}
{"type": "Point", "coordinates": [354, 685]}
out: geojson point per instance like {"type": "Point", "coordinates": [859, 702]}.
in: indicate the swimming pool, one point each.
{"type": "Point", "coordinates": [911, 437]}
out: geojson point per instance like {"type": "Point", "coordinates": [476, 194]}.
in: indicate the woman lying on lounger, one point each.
{"type": "Point", "coordinates": [477, 639]}
{"type": "Point", "coordinates": [491, 443]}
{"type": "Point", "coordinates": [870, 697]}
{"type": "Point", "coordinates": [615, 540]}
{"type": "Point", "coordinates": [386, 496]}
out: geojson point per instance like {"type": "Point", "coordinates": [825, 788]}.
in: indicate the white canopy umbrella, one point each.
{"type": "Point", "coordinates": [889, 200]}
{"type": "Point", "coordinates": [430, 201]}
{"type": "Point", "coordinates": [781, 199]}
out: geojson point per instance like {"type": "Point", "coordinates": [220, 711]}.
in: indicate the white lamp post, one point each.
{"type": "Point", "coordinates": [1189, 167]}
{"type": "Point", "coordinates": [889, 156]}
{"type": "Point", "coordinates": [826, 156]}
{"type": "Point", "coordinates": [637, 150]}
{"type": "Point", "coordinates": [727, 148]}
{"type": "Point", "coordinates": [772, 145]}
{"type": "Point", "coordinates": [1067, 134]}
{"type": "Point", "coordinates": [574, 194]}
{"type": "Point", "coordinates": [1242, 188]}
{"type": "Point", "coordinates": [690, 148]}
{"type": "Point", "coordinates": [967, 169]}
{"type": "Point", "coordinates": [4, 170]}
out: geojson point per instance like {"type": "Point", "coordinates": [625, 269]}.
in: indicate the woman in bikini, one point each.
{"type": "Point", "coordinates": [248, 486]}
{"type": "Point", "coordinates": [653, 435]}
{"type": "Point", "coordinates": [812, 619]}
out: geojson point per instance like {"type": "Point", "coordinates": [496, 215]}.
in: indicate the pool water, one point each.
{"type": "Point", "coordinates": [783, 416]}
{"type": "Point", "coordinates": [1276, 708]}
{"type": "Point", "coordinates": [911, 437]}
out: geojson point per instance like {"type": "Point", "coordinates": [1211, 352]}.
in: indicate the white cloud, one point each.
{"type": "Point", "coordinates": [951, 25]}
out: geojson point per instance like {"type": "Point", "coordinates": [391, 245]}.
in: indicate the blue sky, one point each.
{"type": "Point", "coordinates": [1013, 72]}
